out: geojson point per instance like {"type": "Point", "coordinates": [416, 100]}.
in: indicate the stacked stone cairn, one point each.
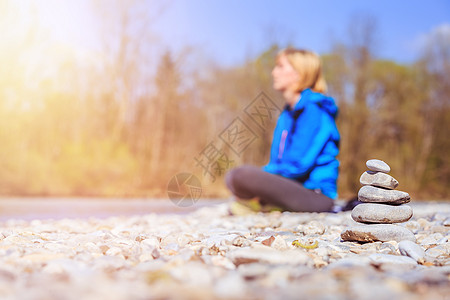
{"type": "Point", "coordinates": [383, 207]}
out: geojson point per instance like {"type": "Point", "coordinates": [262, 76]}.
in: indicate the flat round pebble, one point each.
{"type": "Point", "coordinates": [377, 232]}
{"type": "Point", "coordinates": [381, 213]}
{"type": "Point", "coordinates": [391, 259]}
{"type": "Point", "coordinates": [378, 165]}
{"type": "Point", "coordinates": [379, 179]}
{"type": "Point", "coordinates": [373, 194]}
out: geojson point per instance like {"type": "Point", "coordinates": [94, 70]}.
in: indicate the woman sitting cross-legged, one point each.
{"type": "Point", "coordinates": [302, 173]}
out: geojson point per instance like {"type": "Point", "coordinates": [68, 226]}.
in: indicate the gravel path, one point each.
{"type": "Point", "coordinates": [207, 254]}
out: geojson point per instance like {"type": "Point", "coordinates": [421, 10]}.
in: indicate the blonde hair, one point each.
{"type": "Point", "coordinates": [309, 67]}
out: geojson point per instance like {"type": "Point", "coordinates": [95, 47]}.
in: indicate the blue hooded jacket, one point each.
{"type": "Point", "coordinates": [306, 142]}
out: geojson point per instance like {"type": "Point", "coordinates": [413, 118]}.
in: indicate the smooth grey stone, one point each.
{"type": "Point", "coordinates": [440, 250]}
{"type": "Point", "coordinates": [268, 255]}
{"type": "Point", "coordinates": [412, 250]}
{"type": "Point", "coordinates": [431, 239]}
{"type": "Point", "coordinates": [218, 240]}
{"type": "Point", "coordinates": [379, 258]}
{"type": "Point", "coordinates": [377, 232]}
{"type": "Point", "coordinates": [379, 179]}
{"type": "Point", "coordinates": [378, 195]}
{"type": "Point", "coordinates": [387, 248]}
{"type": "Point", "coordinates": [350, 262]}
{"type": "Point", "coordinates": [446, 222]}
{"type": "Point", "coordinates": [381, 213]}
{"type": "Point", "coordinates": [378, 165]}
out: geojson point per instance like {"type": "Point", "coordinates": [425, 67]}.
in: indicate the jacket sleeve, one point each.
{"type": "Point", "coordinates": [312, 131]}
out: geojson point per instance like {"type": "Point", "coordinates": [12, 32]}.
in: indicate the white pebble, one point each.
{"type": "Point", "coordinates": [411, 249]}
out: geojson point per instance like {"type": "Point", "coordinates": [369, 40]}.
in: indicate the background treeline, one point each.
{"type": "Point", "coordinates": [122, 121]}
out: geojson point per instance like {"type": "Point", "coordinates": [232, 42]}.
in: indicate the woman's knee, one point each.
{"type": "Point", "coordinates": [232, 177]}
{"type": "Point", "coordinates": [237, 176]}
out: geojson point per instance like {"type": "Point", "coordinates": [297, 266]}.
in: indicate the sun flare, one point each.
{"type": "Point", "coordinates": [41, 38]}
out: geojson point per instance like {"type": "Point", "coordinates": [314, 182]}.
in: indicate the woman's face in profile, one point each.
{"type": "Point", "coordinates": [285, 77]}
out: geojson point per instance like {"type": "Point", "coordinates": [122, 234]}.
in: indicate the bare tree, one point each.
{"type": "Point", "coordinates": [359, 56]}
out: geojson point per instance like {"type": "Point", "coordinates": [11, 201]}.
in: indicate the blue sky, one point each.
{"type": "Point", "coordinates": [233, 30]}
{"type": "Point", "coordinates": [230, 31]}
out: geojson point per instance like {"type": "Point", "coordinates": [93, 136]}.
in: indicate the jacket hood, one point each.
{"type": "Point", "coordinates": [324, 102]}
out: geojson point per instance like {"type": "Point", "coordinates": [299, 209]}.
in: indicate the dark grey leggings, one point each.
{"type": "Point", "coordinates": [247, 182]}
